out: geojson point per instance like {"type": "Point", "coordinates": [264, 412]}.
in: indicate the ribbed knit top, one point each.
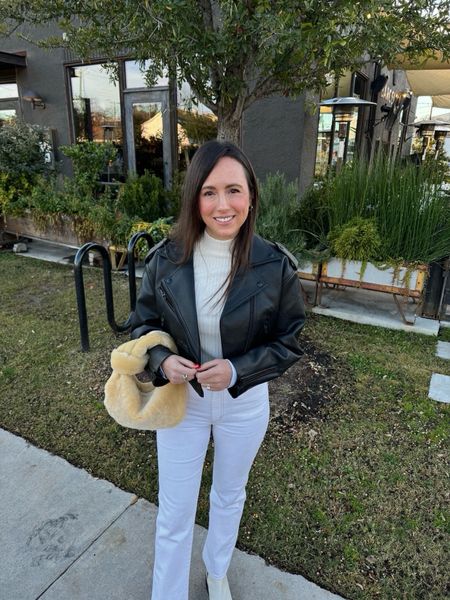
{"type": "Point", "coordinates": [212, 263]}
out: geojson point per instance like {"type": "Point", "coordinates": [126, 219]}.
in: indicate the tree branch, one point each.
{"type": "Point", "coordinates": [269, 85]}
{"type": "Point", "coordinates": [200, 95]}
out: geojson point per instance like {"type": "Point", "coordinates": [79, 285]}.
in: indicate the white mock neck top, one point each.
{"type": "Point", "coordinates": [212, 264]}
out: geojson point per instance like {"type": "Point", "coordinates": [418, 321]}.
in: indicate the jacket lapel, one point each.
{"type": "Point", "coordinates": [180, 284]}
{"type": "Point", "coordinates": [242, 289]}
{"type": "Point", "coordinates": [251, 282]}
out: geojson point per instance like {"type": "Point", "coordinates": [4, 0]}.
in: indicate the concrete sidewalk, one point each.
{"type": "Point", "coordinates": [66, 535]}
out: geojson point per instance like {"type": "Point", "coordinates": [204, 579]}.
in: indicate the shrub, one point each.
{"type": "Point", "coordinates": [314, 218]}
{"type": "Point", "coordinates": [22, 159]}
{"type": "Point", "coordinates": [356, 240]}
{"type": "Point", "coordinates": [45, 202]}
{"type": "Point", "coordinates": [12, 192]}
{"type": "Point", "coordinates": [95, 212]}
{"type": "Point", "coordinates": [159, 229]}
{"type": "Point", "coordinates": [173, 195]}
{"type": "Point", "coordinates": [279, 218]}
{"type": "Point", "coordinates": [143, 197]}
{"type": "Point", "coordinates": [22, 150]}
{"type": "Point", "coordinates": [89, 160]}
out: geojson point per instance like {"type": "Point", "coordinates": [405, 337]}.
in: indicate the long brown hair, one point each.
{"type": "Point", "coordinates": [190, 226]}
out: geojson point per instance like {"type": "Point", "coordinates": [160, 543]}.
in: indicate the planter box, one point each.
{"type": "Point", "coordinates": [403, 281]}
{"type": "Point", "coordinates": [62, 233]}
{"type": "Point", "coordinates": [308, 270]}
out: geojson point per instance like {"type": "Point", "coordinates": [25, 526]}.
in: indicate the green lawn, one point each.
{"type": "Point", "coordinates": [353, 498]}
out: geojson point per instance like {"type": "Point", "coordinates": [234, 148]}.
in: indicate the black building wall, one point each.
{"type": "Point", "coordinates": [45, 75]}
{"type": "Point", "coordinates": [279, 134]}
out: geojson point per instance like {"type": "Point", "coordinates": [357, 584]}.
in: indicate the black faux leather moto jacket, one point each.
{"type": "Point", "coordinates": [260, 322]}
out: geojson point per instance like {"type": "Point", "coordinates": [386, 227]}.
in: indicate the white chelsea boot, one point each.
{"type": "Point", "coordinates": [218, 589]}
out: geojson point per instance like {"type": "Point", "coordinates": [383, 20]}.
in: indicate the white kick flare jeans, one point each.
{"type": "Point", "coordinates": [238, 427]}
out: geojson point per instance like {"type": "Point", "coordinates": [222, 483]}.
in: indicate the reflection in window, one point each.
{"type": "Point", "coordinates": [96, 104]}
{"type": "Point", "coordinates": [359, 84]}
{"type": "Point", "coordinates": [6, 115]}
{"type": "Point", "coordinates": [351, 137]}
{"type": "Point", "coordinates": [326, 137]}
{"type": "Point", "coordinates": [148, 138]}
{"type": "Point", "coordinates": [96, 109]}
{"type": "Point", "coordinates": [8, 90]}
{"type": "Point", "coordinates": [196, 124]}
{"type": "Point", "coordinates": [135, 75]}
{"type": "Point", "coordinates": [323, 140]}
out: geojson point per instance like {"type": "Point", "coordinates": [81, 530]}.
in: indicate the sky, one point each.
{"type": "Point", "coordinates": [424, 105]}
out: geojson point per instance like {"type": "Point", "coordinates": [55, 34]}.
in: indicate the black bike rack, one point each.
{"type": "Point", "coordinates": [107, 281]}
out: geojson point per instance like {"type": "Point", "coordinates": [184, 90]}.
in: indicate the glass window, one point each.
{"type": "Point", "coordinates": [351, 137]}
{"type": "Point", "coordinates": [196, 124]}
{"type": "Point", "coordinates": [344, 135]}
{"type": "Point", "coordinates": [324, 135]}
{"type": "Point", "coordinates": [6, 115]}
{"type": "Point", "coordinates": [8, 90]}
{"type": "Point", "coordinates": [148, 137]}
{"type": "Point", "coordinates": [96, 104]}
{"type": "Point", "coordinates": [135, 75]}
{"type": "Point", "coordinates": [96, 108]}
{"type": "Point", "coordinates": [359, 86]}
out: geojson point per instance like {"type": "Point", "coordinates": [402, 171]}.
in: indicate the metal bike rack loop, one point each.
{"type": "Point", "coordinates": [107, 282]}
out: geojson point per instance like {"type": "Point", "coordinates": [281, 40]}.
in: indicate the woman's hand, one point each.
{"type": "Point", "coordinates": [215, 374]}
{"type": "Point", "coordinates": [178, 369]}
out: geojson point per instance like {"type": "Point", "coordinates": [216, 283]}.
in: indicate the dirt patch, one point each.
{"type": "Point", "coordinates": [306, 388]}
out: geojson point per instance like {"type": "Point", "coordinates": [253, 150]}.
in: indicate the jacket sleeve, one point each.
{"type": "Point", "coordinates": [265, 362]}
{"type": "Point", "coordinates": [146, 318]}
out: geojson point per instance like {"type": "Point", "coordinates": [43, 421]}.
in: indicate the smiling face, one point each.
{"type": "Point", "coordinates": [224, 199]}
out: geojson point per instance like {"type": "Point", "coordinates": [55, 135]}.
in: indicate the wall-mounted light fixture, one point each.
{"type": "Point", "coordinates": [34, 98]}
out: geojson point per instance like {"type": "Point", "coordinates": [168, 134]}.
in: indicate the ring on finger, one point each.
{"type": "Point", "coordinates": [208, 387]}
{"type": "Point", "coordinates": [185, 376]}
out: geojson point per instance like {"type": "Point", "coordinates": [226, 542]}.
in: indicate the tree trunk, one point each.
{"type": "Point", "coordinates": [229, 128]}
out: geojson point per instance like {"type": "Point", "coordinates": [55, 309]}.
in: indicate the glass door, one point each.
{"type": "Point", "coordinates": [148, 133]}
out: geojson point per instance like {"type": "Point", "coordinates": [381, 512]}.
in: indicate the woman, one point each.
{"type": "Point", "coordinates": [232, 303]}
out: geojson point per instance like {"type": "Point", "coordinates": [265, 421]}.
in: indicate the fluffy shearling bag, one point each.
{"type": "Point", "coordinates": [133, 403]}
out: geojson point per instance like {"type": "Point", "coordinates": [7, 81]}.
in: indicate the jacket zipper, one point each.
{"type": "Point", "coordinates": [250, 324]}
{"type": "Point", "coordinates": [249, 378]}
{"type": "Point", "coordinates": [167, 299]}
{"type": "Point", "coordinates": [172, 304]}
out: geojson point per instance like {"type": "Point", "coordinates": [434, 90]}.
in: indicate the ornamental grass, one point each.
{"type": "Point", "coordinates": [409, 205]}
